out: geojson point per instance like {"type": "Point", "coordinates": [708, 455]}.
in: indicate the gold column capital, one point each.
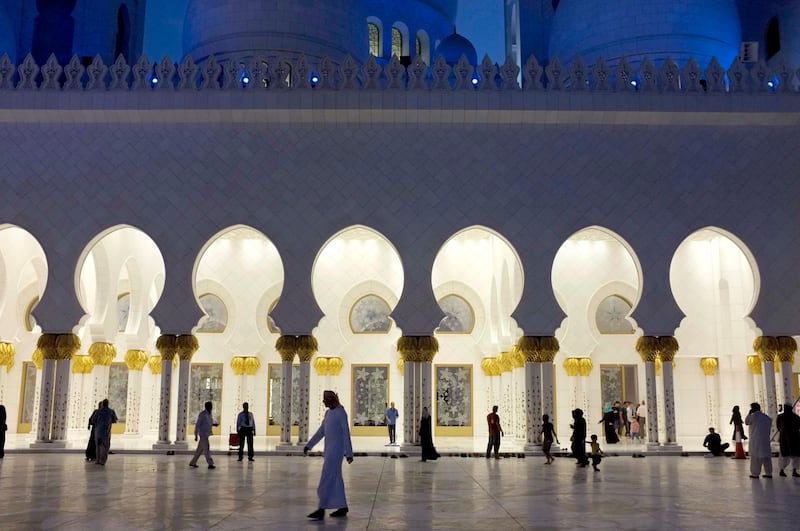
{"type": "Point", "coordinates": [754, 363]}
{"type": "Point", "coordinates": [572, 366]}
{"type": "Point", "coordinates": [307, 346]}
{"type": "Point", "coordinates": [135, 359]}
{"type": "Point", "coordinates": [38, 358]}
{"type": "Point", "coordinates": [82, 364]}
{"type": "Point", "coordinates": [286, 347]}
{"type": "Point", "coordinates": [787, 346]}
{"type": "Point", "coordinates": [538, 349]}
{"type": "Point", "coordinates": [155, 364]}
{"type": "Point", "coordinates": [335, 365]}
{"type": "Point", "coordinates": [321, 366]}
{"type": "Point", "coordinates": [401, 365]}
{"type": "Point", "coordinates": [505, 361]}
{"type": "Point", "coordinates": [185, 346]}
{"type": "Point", "coordinates": [486, 366]}
{"type": "Point", "coordinates": [585, 366]}
{"type": "Point", "coordinates": [709, 366]}
{"type": "Point", "coordinates": [167, 346]}
{"type": "Point", "coordinates": [7, 351]}
{"type": "Point", "coordinates": [647, 347]}
{"type": "Point", "coordinates": [251, 365]}
{"type": "Point", "coordinates": [766, 347]}
{"type": "Point", "coordinates": [418, 349]}
{"type": "Point", "coordinates": [237, 364]}
{"type": "Point", "coordinates": [102, 353]}
{"type": "Point", "coordinates": [58, 346]}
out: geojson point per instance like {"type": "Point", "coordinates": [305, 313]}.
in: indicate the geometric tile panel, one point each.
{"type": "Point", "coordinates": [417, 168]}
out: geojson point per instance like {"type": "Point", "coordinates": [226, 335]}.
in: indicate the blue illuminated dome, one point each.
{"type": "Point", "coordinates": [247, 28]}
{"type": "Point", "coordinates": [453, 47]}
{"type": "Point", "coordinates": [654, 28]}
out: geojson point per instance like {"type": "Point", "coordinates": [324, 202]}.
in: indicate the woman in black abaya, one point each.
{"type": "Point", "coordinates": [429, 452]}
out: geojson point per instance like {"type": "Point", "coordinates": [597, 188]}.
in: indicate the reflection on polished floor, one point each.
{"type": "Point", "coordinates": [156, 491]}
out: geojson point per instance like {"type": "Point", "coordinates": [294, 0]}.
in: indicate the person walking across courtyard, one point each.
{"type": "Point", "coordinates": [335, 429]}
{"type": "Point", "coordinates": [548, 434]}
{"type": "Point", "coordinates": [495, 432]}
{"type": "Point", "coordinates": [102, 431]}
{"type": "Point", "coordinates": [202, 431]}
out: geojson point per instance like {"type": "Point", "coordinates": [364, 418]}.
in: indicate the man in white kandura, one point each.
{"type": "Point", "coordinates": [336, 430]}
{"type": "Point", "coordinates": [760, 450]}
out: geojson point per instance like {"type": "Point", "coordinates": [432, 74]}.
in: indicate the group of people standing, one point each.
{"type": "Point", "coordinates": [624, 419]}
{"type": "Point", "coordinates": [787, 424]}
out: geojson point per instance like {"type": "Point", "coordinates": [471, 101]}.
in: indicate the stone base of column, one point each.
{"type": "Point", "coordinates": [42, 445]}
{"type": "Point", "coordinates": [408, 447]}
{"type": "Point", "coordinates": [285, 445]}
{"type": "Point", "coordinates": [183, 445]}
{"type": "Point", "coordinates": [535, 448]}
{"type": "Point", "coordinates": [163, 445]}
{"type": "Point", "coordinates": [665, 449]}
{"type": "Point", "coordinates": [302, 444]}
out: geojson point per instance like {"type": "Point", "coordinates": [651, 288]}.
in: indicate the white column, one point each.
{"type": "Point", "coordinates": [533, 402]}
{"type": "Point", "coordinates": [754, 364]}
{"type": "Point", "coordinates": [183, 400]}
{"type": "Point", "coordinates": [709, 367]}
{"type": "Point", "coordinates": [652, 403]}
{"type": "Point", "coordinates": [786, 379]}
{"type": "Point", "coordinates": [77, 398]}
{"type": "Point", "coordinates": [3, 383]}
{"type": "Point", "coordinates": [134, 402]}
{"type": "Point", "coordinates": [286, 400]}
{"type": "Point", "coordinates": [409, 392]}
{"type": "Point", "coordinates": [669, 399]}
{"type": "Point", "coordinates": [164, 398]}
{"type": "Point", "coordinates": [771, 406]}
{"type": "Point", "coordinates": [100, 375]}
{"type": "Point", "coordinates": [426, 395]}
{"type": "Point", "coordinates": [46, 399]}
{"type": "Point", "coordinates": [303, 393]}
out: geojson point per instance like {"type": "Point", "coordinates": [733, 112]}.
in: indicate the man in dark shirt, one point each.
{"type": "Point", "coordinates": [495, 431]}
{"type": "Point", "coordinates": [714, 443]}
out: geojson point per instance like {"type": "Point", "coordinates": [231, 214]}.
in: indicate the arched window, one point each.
{"type": "Point", "coordinates": [611, 316]}
{"type": "Point", "coordinates": [459, 315]}
{"type": "Point", "coordinates": [417, 47]}
{"type": "Point", "coordinates": [374, 39]}
{"type": "Point", "coordinates": [397, 42]}
{"type": "Point", "coordinates": [370, 314]}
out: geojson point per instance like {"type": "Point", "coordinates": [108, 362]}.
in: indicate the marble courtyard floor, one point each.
{"type": "Point", "coordinates": [157, 491]}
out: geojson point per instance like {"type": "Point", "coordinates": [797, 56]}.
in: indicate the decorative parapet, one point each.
{"type": "Point", "coordinates": [271, 73]}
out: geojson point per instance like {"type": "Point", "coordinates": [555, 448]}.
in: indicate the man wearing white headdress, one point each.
{"type": "Point", "coordinates": [336, 430]}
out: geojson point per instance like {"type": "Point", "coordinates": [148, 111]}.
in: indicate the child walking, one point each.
{"type": "Point", "coordinates": [634, 430]}
{"type": "Point", "coordinates": [596, 453]}
{"type": "Point", "coordinates": [548, 434]}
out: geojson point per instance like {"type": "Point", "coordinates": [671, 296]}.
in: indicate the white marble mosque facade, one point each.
{"type": "Point", "coordinates": [289, 206]}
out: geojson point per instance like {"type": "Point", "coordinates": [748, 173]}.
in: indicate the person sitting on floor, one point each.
{"type": "Point", "coordinates": [714, 443]}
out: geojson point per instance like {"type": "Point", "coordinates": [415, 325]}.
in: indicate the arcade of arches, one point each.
{"type": "Point", "coordinates": [473, 359]}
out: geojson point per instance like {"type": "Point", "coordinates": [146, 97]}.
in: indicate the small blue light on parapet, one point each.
{"type": "Point", "coordinates": [154, 81]}
{"type": "Point", "coordinates": [475, 81]}
{"type": "Point", "coordinates": [634, 83]}
{"type": "Point", "coordinates": [314, 80]}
